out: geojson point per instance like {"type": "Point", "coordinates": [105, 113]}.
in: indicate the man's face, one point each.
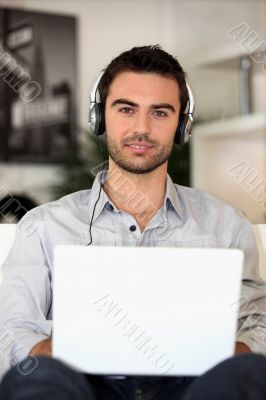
{"type": "Point", "coordinates": [141, 117]}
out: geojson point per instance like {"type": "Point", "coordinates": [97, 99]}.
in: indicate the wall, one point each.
{"type": "Point", "coordinates": [189, 29]}
{"type": "Point", "coordinates": [229, 161]}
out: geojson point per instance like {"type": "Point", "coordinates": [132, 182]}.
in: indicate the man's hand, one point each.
{"type": "Point", "coordinates": [241, 348]}
{"type": "Point", "coordinates": [43, 348]}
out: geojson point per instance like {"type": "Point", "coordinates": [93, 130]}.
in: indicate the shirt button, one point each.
{"type": "Point", "coordinates": [111, 207]}
{"type": "Point", "coordinates": [132, 228]}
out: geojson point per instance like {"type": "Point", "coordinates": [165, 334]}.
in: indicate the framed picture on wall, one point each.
{"type": "Point", "coordinates": [37, 86]}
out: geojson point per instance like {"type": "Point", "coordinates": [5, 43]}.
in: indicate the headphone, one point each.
{"type": "Point", "coordinates": [97, 121]}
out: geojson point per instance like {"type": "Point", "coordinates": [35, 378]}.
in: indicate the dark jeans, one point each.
{"type": "Point", "coordinates": [241, 377]}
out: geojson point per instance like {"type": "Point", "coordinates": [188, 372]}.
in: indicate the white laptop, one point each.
{"type": "Point", "coordinates": [145, 310]}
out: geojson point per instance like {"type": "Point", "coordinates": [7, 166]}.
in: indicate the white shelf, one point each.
{"type": "Point", "coordinates": [224, 57]}
{"type": "Point", "coordinates": [233, 126]}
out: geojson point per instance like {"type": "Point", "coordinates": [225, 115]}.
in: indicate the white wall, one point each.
{"type": "Point", "coordinates": [187, 28]}
{"type": "Point", "coordinates": [229, 160]}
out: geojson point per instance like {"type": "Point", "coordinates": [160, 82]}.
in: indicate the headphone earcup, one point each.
{"type": "Point", "coordinates": [179, 131]}
{"type": "Point", "coordinates": [183, 132]}
{"type": "Point", "coordinates": [96, 119]}
{"type": "Point", "coordinates": [101, 119]}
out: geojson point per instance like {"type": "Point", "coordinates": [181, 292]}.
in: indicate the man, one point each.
{"type": "Point", "coordinates": [144, 95]}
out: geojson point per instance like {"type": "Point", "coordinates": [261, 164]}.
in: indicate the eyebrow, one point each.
{"type": "Point", "coordinates": [153, 106]}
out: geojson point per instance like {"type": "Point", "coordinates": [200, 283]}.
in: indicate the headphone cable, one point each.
{"type": "Point", "coordinates": [99, 195]}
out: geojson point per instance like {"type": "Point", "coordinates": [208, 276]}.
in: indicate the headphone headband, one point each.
{"type": "Point", "coordinates": [95, 88]}
{"type": "Point", "coordinates": [191, 102]}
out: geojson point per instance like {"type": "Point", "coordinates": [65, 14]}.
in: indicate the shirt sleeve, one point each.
{"type": "Point", "coordinates": [25, 295]}
{"type": "Point", "coordinates": [252, 307]}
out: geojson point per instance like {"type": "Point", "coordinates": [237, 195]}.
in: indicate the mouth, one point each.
{"type": "Point", "coordinates": [139, 148]}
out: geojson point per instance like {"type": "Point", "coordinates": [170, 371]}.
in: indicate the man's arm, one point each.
{"type": "Point", "coordinates": [252, 306]}
{"type": "Point", "coordinates": [25, 293]}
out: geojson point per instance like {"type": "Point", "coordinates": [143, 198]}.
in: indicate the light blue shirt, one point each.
{"type": "Point", "coordinates": [188, 218]}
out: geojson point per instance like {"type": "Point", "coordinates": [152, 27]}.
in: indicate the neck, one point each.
{"type": "Point", "coordinates": [141, 195]}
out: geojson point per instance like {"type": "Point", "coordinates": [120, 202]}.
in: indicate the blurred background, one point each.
{"type": "Point", "coordinates": [51, 51]}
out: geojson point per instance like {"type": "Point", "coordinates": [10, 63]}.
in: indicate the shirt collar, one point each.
{"type": "Point", "coordinates": [100, 202]}
{"type": "Point", "coordinates": [98, 197]}
{"type": "Point", "coordinates": [171, 196]}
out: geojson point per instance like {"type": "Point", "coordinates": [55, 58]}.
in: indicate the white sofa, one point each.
{"type": "Point", "coordinates": [7, 233]}
{"type": "Point", "coordinates": [260, 234]}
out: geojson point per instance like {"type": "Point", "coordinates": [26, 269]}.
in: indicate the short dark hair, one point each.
{"type": "Point", "coordinates": [150, 59]}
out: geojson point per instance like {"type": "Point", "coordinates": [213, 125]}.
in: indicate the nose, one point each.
{"type": "Point", "coordinates": [142, 123]}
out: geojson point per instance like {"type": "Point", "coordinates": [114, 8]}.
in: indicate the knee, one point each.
{"type": "Point", "coordinates": [35, 372]}
{"type": "Point", "coordinates": [248, 363]}
{"type": "Point", "coordinates": [41, 378]}
{"type": "Point", "coordinates": [238, 367]}
{"type": "Point", "coordinates": [242, 376]}
{"type": "Point", "coordinates": [34, 368]}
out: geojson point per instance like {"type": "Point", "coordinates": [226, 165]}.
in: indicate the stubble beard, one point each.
{"type": "Point", "coordinates": [140, 164]}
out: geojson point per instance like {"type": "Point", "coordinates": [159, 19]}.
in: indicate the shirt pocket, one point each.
{"type": "Point", "coordinates": [196, 243]}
